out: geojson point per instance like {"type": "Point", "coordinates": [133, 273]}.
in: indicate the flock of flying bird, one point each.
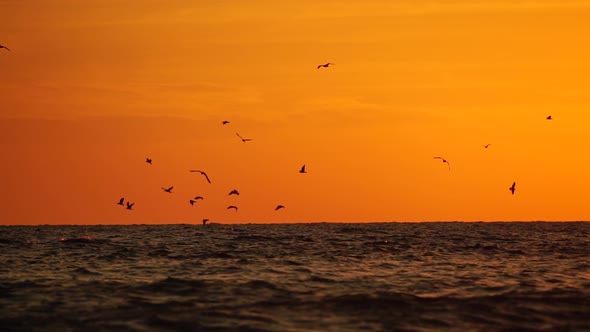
{"type": "Point", "coordinates": [129, 205]}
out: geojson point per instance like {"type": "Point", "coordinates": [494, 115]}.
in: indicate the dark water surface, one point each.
{"type": "Point", "coordinates": [297, 277]}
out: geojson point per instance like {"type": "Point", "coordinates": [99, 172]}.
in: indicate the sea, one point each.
{"type": "Point", "coordinates": [450, 276]}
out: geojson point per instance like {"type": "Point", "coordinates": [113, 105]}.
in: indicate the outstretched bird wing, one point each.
{"type": "Point", "coordinates": [240, 136]}
{"type": "Point", "coordinates": [206, 177]}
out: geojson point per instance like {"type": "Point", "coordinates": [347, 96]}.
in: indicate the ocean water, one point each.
{"type": "Point", "coordinates": [297, 277]}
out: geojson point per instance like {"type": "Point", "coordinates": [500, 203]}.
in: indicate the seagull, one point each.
{"type": "Point", "coordinates": [198, 197]}
{"type": "Point", "coordinates": [513, 188]}
{"type": "Point", "coordinates": [191, 202]}
{"type": "Point", "coordinates": [148, 160]}
{"type": "Point", "coordinates": [325, 65]}
{"type": "Point", "coordinates": [234, 192]}
{"type": "Point", "coordinates": [444, 161]}
{"type": "Point", "coordinates": [205, 221]}
{"type": "Point", "coordinates": [302, 170]}
{"type": "Point", "coordinates": [224, 122]}
{"type": "Point", "coordinates": [203, 173]}
{"type": "Point", "coordinates": [4, 47]}
{"type": "Point", "coordinates": [169, 190]}
{"type": "Point", "coordinates": [130, 206]}
{"type": "Point", "coordinates": [232, 207]}
{"type": "Point", "coordinates": [487, 146]}
{"type": "Point", "coordinates": [244, 139]}
{"type": "Point", "coordinates": [279, 207]}
{"type": "Point", "coordinates": [121, 201]}
{"type": "Point", "coordinates": [549, 117]}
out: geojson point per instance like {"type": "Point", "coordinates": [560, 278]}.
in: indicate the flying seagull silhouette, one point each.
{"type": "Point", "coordinates": [198, 197]}
{"type": "Point", "coordinates": [444, 161]}
{"type": "Point", "coordinates": [224, 122]}
{"type": "Point", "coordinates": [205, 221]}
{"type": "Point", "coordinates": [130, 206]}
{"type": "Point", "coordinates": [232, 207]}
{"type": "Point", "coordinates": [513, 188]}
{"type": "Point", "coordinates": [169, 190]}
{"type": "Point", "coordinates": [234, 192]}
{"type": "Point", "coordinates": [148, 160]}
{"type": "Point", "coordinates": [549, 117]}
{"type": "Point", "coordinates": [244, 139]}
{"type": "Point", "coordinates": [325, 65]}
{"type": "Point", "coordinates": [121, 201]}
{"type": "Point", "coordinates": [487, 146]}
{"type": "Point", "coordinates": [279, 207]}
{"type": "Point", "coordinates": [203, 173]}
{"type": "Point", "coordinates": [4, 47]}
{"type": "Point", "coordinates": [302, 170]}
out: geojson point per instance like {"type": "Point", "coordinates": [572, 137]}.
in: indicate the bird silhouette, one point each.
{"type": "Point", "coordinates": [325, 65]}
{"type": "Point", "coordinates": [513, 188]}
{"type": "Point", "coordinates": [203, 173]}
{"type": "Point", "coordinates": [205, 221]}
{"type": "Point", "coordinates": [302, 170]}
{"type": "Point", "coordinates": [232, 207]}
{"type": "Point", "coordinates": [121, 201]}
{"type": "Point", "coordinates": [130, 206]}
{"type": "Point", "coordinates": [444, 161]}
{"type": "Point", "coordinates": [279, 207]}
{"type": "Point", "coordinates": [4, 47]}
{"type": "Point", "coordinates": [487, 146]}
{"type": "Point", "coordinates": [244, 139]}
{"type": "Point", "coordinates": [191, 202]}
{"type": "Point", "coordinates": [169, 190]}
{"type": "Point", "coordinates": [198, 197]}
{"type": "Point", "coordinates": [549, 117]}
{"type": "Point", "coordinates": [224, 122]}
{"type": "Point", "coordinates": [234, 192]}
{"type": "Point", "coordinates": [148, 160]}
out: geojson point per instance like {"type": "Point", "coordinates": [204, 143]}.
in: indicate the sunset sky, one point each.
{"type": "Point", "coordinates": [91, 88]}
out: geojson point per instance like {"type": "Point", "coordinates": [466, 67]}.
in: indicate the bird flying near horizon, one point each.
{"type": "Point", "coordinates": [233, 207]}
{"type": "Point", "coordinates": [244, 139]}
{"type": "Point", "coordinates": [148, 160]}
{"type": "Point", "coordinates": [513, 188]}
{"type": "Point", "coordinates": [486, 146]}
{"type": "Point", "coordinates": [198, 197]}
{"type": "Point", "coordinates": [203, 173]}
{"type": "Point", "coordinates": [302, 170]}
{"type": "Point", "coordinates": [121, 201]}
{"type": "Point", "coordinates": [444, 161]}
{"type": "Point", "coordinates": [224, 122]}
{"type": "Point", "coordinates": [234, 192]}
{"type": "Point", "coordinates": [130, 206]}
{"type": "Point", "coordinates": [4, 47]}
{"type": "Point", "coordinates": [325, 65]}
{"type": "Point", "coordinates": [168, 190]}
{"type": "Point", "coordinates": [279, 207]}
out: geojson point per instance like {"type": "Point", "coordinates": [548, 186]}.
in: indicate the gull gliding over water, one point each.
{"type": "Point", "coordinates": [279, 207]}
{"type": "Point", "coordinates": [4, 47]}
{"type": "Point", "coordinates": [444, 161]}
{"type": "Point", "coordinates": [325, 65]}
{"type": "Point", "coordinates": [232, 207]}
{"type": "Point", "coordinates": [244, 139]}
{"type": "Point", "coordinates": [513, 188]}
{"type": "Point", "coordinates": [203, 173]}
{"type": "Point", "coordinates": [198, 197]}
{"type": "Point", "coordinates": [168, 190]}
{"type": "Point", "coordinates": [234, 192]}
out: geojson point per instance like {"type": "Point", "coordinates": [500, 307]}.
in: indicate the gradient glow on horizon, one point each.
{"type": "Point", "coordinates": [92, 88]}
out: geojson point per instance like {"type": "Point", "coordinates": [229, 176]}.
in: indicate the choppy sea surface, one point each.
{"type": "Point", "coordinates": [296, 277]}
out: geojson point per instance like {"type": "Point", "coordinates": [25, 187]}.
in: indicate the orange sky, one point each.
{"type": "Point", "coordinates": [93, 87]}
